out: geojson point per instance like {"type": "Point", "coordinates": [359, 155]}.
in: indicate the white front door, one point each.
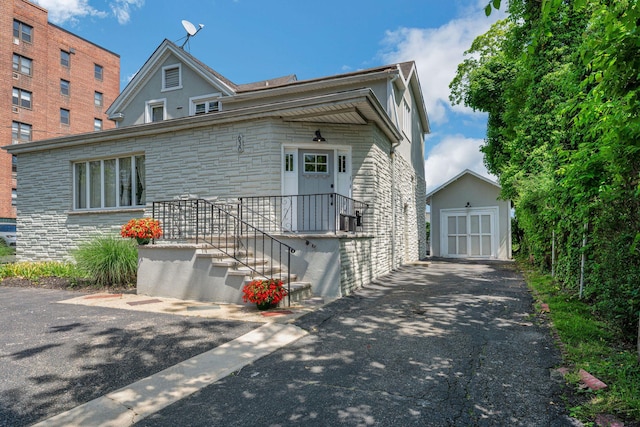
{"type": "Point", "coordinates": [313, 170]}
{"type": "Point", "coordinates": [469, 232]}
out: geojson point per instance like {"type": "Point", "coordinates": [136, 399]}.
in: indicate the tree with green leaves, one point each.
{"type": "Point", "coordinates": [560, 83]}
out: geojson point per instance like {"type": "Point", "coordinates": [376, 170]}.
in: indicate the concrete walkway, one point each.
{"type": "Point", "coordinates": [438, 344]}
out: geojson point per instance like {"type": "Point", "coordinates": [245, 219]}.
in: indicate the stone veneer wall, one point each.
{"type": "Point", "coordinates": [399, 231]}
{"type": "Point", "coordinates": [201, 161]}
{"type": "Point", "coordinates": [204, 161]}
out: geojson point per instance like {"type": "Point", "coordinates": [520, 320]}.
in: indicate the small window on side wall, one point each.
{"type": "Point", "coordinates": [65, 117]}
{"type": "Point", "coordinates": [65, 58]}
{"type": "Point", "coordinates": [97, 71]}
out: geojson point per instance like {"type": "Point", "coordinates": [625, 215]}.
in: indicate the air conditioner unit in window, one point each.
{"type": "Point", "coordinates": [16, 75]}
{"type": "Point", "coordinates": [16, 40]}
{"type": "Point", "coordinates": [15, 109]}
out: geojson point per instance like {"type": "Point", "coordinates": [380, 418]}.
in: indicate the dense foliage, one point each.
{"type": "Point", "coordinates": [560, 81]}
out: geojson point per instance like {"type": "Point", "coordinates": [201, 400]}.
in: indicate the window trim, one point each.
{"type": "Point", "coordinates": [95, 72]}
{"type": "Point", "coordinates": [62, 81]}
{"type": "Point", "coordinates": [315, 163]}
{"type": "Point", "coordinates": [20, 64]}
{"type": "Point", "coordinates": [68, 55]}
{"type": "Point", "coordinates": [150, 105]}
{"type": "Point", "coordinates": [19, 127]}
{"type": "Point", "coordinates": [204, 99]}
{"type": "Point", "coordinates": [20, 98]}
{"type": "Point", "coordinates": [98, 99]}
{"type": "Point", "coordinates": [68, 123]}
{"type": "Point", "coordinates": [21, 32]}
{"type": "Point", "coordinates": [134, 176]}
{"type": "Point", "coordinates": [166, 68]}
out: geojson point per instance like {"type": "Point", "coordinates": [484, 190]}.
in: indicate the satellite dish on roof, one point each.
{"type": "Point", "coordinates": [189, 27]}
{"type": "Point", "coordinates": [191, 30]}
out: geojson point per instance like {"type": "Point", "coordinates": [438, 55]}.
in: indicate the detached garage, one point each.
{"type": "Point", "coordinates": [468, 220]}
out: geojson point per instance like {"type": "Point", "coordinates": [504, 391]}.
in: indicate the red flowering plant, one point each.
{"type": "Point", "coordinates": [142, 229]}
{"type": "Point", "coordinates": [265, 293]}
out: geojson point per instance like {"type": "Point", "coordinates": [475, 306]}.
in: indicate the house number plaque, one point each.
{"type": "Point", "coordinates": [240, 143]}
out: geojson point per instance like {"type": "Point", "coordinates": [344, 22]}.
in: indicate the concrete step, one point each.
{"type": "Point", "coordinates": [300, 291]}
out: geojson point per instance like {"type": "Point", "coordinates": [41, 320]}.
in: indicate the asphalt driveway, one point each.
{"type": "Point", "coordinates": [56, 356]}
{"type": "Point", "coordinates": [448, 344]}
{"type": "Point", "coordinates": [437, 344]}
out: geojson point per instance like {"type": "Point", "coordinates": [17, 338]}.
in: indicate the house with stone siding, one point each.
{"type": "Point", "coordinates": [320, 182]}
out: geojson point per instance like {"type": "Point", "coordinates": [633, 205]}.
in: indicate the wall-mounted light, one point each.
{"type": "Point", "coordinates": [318, 137]}
{"type": "Point", "coordinates": [468, 205]}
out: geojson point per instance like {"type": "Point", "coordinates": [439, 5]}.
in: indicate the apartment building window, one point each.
{"type": "Point", "coordinates": [22, 31]}
{"type": "Point", "coordinates": [14, 196]}
{"type": "Point", "coordinates": [21, 98]}
{"type": "Point", "coordinates": [14, 163]}
{"type": "Point", "coordinates": [171, 77]}
{"type": "Point", "coordinates": [65, 87]}
{"type": "Point", "coordinates": [20, 132]}
{"type": "Point", "coordinates": [97, 71]}
{"type": "Point", "coordinates": [22, 64]}
{"type": "Point", "coordinates": [65, 116]}
{"type": "Point", "coordinates": [65, 58]}
{"type": "Point", "coordinates": [97, 99]}
{"type": "Point", "coordinates": [97, 124]}
{"type": "Point", "coordinates": [109, 183]}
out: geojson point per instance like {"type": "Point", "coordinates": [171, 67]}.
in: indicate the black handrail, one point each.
{"type": "Point", "coordinates": [331, 212]}
{"type": "Point", "coordinates": [201, 221]}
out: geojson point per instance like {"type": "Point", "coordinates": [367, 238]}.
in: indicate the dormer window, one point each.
{"type": "Point", "coordinates": [171, 77]}
{"type": "Point", "coordinates": [204, 104]}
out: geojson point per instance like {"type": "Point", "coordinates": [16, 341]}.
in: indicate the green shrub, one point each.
{"type": "Point", "coordinates": [6, 250]}
{"type": "Point", "coordinates": [109, 260]}
{"type": "Point", "coordinates": [36, 270]}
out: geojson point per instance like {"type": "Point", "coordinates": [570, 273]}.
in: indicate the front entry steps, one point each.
{"type": "Point", "coordinates": [301, 292]}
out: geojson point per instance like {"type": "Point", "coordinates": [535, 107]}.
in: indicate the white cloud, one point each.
{"type": "Point", "coordinates": [437, 53]}
{"type": "Point", "coordinates": [451, 156]}
{"type": "Point", "coordinates": [122, 9]}
{"type": "Point", "coordinates": [61, 11]}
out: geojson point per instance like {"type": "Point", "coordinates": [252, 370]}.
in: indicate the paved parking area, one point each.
{"type": "Point", "coordinates": [58, 356]}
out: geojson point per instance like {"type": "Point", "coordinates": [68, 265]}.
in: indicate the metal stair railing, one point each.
{"type": "Point", "coordinates": [330, 212]}
{"type": "Point", "coordinates": [200, 221]}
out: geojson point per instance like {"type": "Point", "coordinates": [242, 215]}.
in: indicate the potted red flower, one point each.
{"type": "Point", "coordinates": [142, 229]}
{"type": "Point", "coordinates": [265, 293]}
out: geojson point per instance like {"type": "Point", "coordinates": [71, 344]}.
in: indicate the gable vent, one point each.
{"type": "Point", "coordinates": [171, 78]}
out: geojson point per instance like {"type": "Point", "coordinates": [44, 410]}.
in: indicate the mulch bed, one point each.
{"type": "Point", "coordinates": [63, 283]}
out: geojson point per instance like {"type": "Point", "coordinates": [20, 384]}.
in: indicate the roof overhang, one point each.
{"type": "Point", "coordinates": [357, 107]}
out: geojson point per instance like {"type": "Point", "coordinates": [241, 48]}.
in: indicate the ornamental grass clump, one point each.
{"type": "Point", "coordinates": [108, 260]}
{"type": "Point", "coordinates": [142, 229]}
{"type": "Point", "coordinates": [264, 293]}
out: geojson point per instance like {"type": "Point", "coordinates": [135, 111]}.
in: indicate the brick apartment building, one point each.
{"type": "Point", "coordinates": [53, 83]}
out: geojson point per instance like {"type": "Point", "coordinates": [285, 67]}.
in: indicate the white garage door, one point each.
{"type": "Point", "coordinates": [469, 232]}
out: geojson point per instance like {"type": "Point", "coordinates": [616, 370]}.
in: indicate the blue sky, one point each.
{"type": "Point", "coordinates": [252, 40]}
